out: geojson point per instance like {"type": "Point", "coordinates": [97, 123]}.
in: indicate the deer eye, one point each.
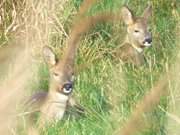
{"type": "Point", "coordinates": [67, 88]}
{"type": "Point", "coordinates": [56, 75]}
{"type": "Point", "coordinates": [136, 31]}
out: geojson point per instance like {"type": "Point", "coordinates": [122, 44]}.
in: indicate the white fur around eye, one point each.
{"type": "Point", "coordinates": [56, 76]}
{"type": "Point", "coordinates": [72, 78]}
{"type": "Point", "coordinates": [136, 34]}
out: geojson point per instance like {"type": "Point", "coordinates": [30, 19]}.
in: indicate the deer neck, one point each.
{"type": "Point", "coordinates": [59, 98]}
{"type": "Point", "coordinates": [54, 107]}
{"type": "Point", "coordinates": [135, 46]}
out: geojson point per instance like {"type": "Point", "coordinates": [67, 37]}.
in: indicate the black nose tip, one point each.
{"type": "Point", "coordinates": [149, 40]}
{"type": "Point", "coordinates": [68, 86]}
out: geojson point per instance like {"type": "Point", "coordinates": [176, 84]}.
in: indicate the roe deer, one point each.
{"type": "Point", "coordinates": [138, 37]}
{"type": "Point", "coordinates": [52, 104]}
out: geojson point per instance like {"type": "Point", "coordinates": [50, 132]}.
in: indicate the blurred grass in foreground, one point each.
{"type": "Point", "coordinates": [108, 90]}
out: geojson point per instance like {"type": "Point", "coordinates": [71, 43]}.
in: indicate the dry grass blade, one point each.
{"type": "Point", "coordinates": [85, 6]}
{"type": "Point", "coordinates": [86, 24]}
{"type": "Point", "coordinates": [151, 99]}
{"type": "Point", "coordinates": [173, 112]}
{"type": "Point", "coordinates": [171, 116]}
{"type": "Point", "coordinates": [13, 88]}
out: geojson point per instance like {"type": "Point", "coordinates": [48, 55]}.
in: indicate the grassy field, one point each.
{"type": "Point", "coordinates": [108, 89]}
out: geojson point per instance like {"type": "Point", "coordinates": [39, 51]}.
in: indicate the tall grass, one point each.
{"type": "Point", "coordinates": [107, 89]}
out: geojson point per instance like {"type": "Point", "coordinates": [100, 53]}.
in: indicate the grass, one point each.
{"type": "Point", "coordinates": [108, 90]}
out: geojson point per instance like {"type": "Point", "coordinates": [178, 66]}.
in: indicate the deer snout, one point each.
{"type": "Point", "coordinates": [66, 89]}
{"type": "Point", "coordinates": [148, 40]}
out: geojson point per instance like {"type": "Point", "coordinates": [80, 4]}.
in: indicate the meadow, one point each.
{"type": "Point", "coordinates": [108, 89]}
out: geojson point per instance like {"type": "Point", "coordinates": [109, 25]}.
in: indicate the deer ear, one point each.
{"type": "Point", "coordinates": [127, 15]}
{"type": "Point", "coordinates": [49, 56]}
{"type": "Point", "coordinates": [147, 12]}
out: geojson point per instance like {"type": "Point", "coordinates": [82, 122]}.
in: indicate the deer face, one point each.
{"type": "Point", "coordinates": [137, 27]}
{"type": "Point", "coordinates": [61, 76]}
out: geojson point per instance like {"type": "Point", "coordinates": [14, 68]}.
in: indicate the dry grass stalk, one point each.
{"type": "Point", "coordinates": [151, 99]}
{"type": "Point", "coordinates": [33, 33]}
{"type": "Point", "coordinates": [13, 88]}
{"type": "Point", "coordinates": [173, 117]}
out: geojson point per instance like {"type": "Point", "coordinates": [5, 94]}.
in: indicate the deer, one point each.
{"type": "Point", "coordinates": [137, 38]}
{"type": "Point", "coordinates": [53, 104]}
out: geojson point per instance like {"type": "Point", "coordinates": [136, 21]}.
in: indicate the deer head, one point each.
{"type": "Point", "coordinates": [137, 27]}
{"type": "Point", "coordinates": [61, 73]}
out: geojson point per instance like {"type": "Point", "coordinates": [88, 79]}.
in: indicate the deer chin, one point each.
{"type": "Point", "coordinates": [139, 49]}
{"type": "Point", "coordinates": [55, 108]}
{"type": "Point", "coordinates": [146, 44]}
{"type": "Point", "coordinates": [61, 97]}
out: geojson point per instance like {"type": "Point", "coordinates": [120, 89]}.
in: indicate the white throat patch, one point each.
{"type": "Point", "coordinates": [61, 97]}
{"type": "Point", "coordinates": [55, 107]}
{"type": "Point", "coordinates": [138, 49]}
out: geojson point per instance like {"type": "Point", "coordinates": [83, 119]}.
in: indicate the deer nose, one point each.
{"type": "Point", "coordinates": [68, 86]}
{"type": "Point", "coordinates": [148, 40]}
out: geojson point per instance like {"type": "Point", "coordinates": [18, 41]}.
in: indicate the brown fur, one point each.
{"type": "Point", "coordinates": [131, 50]}
{"type": "Point", "coordinates": [128, 54]}
{"type": "Point", "coordinates": [61, 71]}
{"type": "Point", "coordinates": [65, 68]}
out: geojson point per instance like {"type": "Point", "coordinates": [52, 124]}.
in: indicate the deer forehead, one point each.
{"type": "Point", "coordinates": [63, 78]}
{"type": "Point", "coordinates": [139, 23]}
